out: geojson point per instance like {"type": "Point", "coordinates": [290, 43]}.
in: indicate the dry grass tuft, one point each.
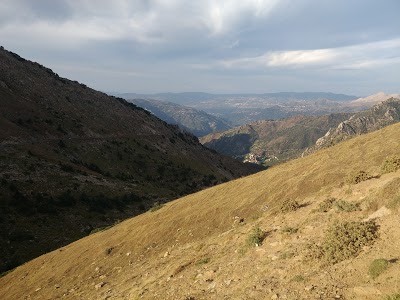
{"type": "Point", "coordinates": [345, 240]}
{"type": "Point", "coordinates": [377, 267]}
{"type": "Point", "coordinates": [357, 177]}
{"type": "Point", "coordinates": [391, 164]}
{"type": "Point", "coordinates": [289, 206]}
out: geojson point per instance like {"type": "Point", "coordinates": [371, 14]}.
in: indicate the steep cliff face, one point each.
{"type": "Point", "coordinates": [379, 116]}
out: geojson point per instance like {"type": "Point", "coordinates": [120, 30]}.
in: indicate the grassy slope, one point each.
{"type": "Point", "coordinates": [131, 257]}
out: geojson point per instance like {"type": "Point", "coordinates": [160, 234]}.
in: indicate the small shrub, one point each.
{"type": "Point", "coordinates": [357, 177]}
{"type": "Point", "coordinates": [377, 267]}
{"type": "Point", "coordinates": [256, 237]}
{"type": "Point", "coordinates": [394, 202]}
{"type": "Point", "coordinates": [156, 206]}
{"type": "Point", "coordinates": [391, 164]}
{"type": "Point", "coordinates": [326, 205]}
{"type": "Point", "coordinates": [346, 206]}
{"type": "Point", "coordinates": [289, 205]}
{"type": "Point", "coordinates": [109, 250]}
{"type": "Point", "coordinates": [298, 278]}
{"type": "Point", "coordinates": [344, 240]}
{"type": "Point", "coordinates": [393, 297]}
{"type": "Point", "coordinates": [203, 261]}
{"type": "Point", "coordinates": [99, 229]}
{"type": "Point", "coordinates": [289, 230]}
{"type": "Point", "coordinates": [286, 255]}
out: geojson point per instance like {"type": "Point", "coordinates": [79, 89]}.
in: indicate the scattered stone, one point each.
{"type": "Point", "coordinates": [228, 282]}
{"type": "Point", "coordinates": [274, 296]}
{"type": "Point", "coordinates": [38, 289]}
{"type": "Point", "coordinates": [309, 288]}
{"type": "Point", "coordinates": [100, 285]}
{"type": "Point", "coordinates": [128, 253]}
{"type": "Point", "coordinates": [208, 276]}
{"type": "Point", "coordinates": [166, 254]}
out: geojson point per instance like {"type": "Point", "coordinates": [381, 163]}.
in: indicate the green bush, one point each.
{"type": "Point", "coordinates": [156, 206]}
{"type": "Point", "coordinates": [289, 205]}
{"type": "Point", "coordinates": [357, 177]}
{"type": "Point", "coordinates": [298, 278]}
{"type": "Point", "coordinates": [377, 267]}
{"type": "Point", "coordinates": [391, 164]}
{"type": "Point", "coordinates": [326, 205]}
{"type": "Point", "coordinates": [289, 230]}
{"type": "Point", "coordinates": [256, 237]}
{"type": "Point", "coordinates": [393, 297]}
{"type": "Point", "coordinates": [346, 206]}
{"type": "Point", "coordinates": [345, 240]}
{"type": "Point", "coordinates": [203, 261]}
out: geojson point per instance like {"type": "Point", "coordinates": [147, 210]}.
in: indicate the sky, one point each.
{"type": "Point", "coordinates": [216, 46]}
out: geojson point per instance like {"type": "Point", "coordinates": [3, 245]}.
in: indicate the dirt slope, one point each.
{"type": "Point", "coordinates": [195, 247]}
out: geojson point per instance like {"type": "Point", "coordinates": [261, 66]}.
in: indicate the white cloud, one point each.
{"type": "Point", "coordinates": [358, 56]}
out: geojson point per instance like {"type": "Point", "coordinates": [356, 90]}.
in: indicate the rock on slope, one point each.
{"type": "Point", "coordinates": [195, 121]}
{"type": "Point", "coordinates": [379, 116]}
{"type": "Point", "coordinates": [197, 247]}
{"type": "Point", "coordinates": [271, 141]}
{"type": "Point", "coordinates": [73, 159]}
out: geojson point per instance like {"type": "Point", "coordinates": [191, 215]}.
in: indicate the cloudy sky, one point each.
{"type": "Point", "coordinates": [218, 46]}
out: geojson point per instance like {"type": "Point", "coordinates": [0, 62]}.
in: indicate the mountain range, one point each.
{"type": "Point", "coordinates": [74, 160]}
{"type": "Point", "coordinates": [195, 121]}
{"type": "Point", "coordinates": [240, 109]}
{"type": "Point", "coordinates": [271, 141]}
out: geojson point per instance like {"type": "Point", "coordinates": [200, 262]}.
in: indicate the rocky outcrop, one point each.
{"type": "Point", "coordinates": [379, 116]}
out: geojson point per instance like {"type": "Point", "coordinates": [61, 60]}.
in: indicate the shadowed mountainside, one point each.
{"type": "Point", "coordinates": [73, 159]}
{"type": "Point", "coordinates": [195, 121]}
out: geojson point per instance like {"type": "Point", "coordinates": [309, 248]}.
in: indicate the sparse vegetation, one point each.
{"type": "Point", "coordinates": [256, 237]}
{"type": "Point", "coordinates": [394, 203]}
{"type": "Point", "coordinates": [156, 206]}
{"type": "Point", "coordinates": [109, 250]}
{"type": "Point", "coordinates": [203, 261]}
{"type": "Point", "coordinates": [326, 205]}
{"type": "Point", "coordinates": [345, 240]}
{"type": "Point", "coordinates": [357, 177]}
{"type": "Point", "coordinates": [289, 206]}
{"type": "Point", "coordinates": [377, 267]}
{"type": "Point", "coordinates": [391, 164]}
{"type": "Point", "coordinates": [289, 230]}
{"type": "Point", "coordinates": [393, 297]}
{"type": "Point", "coordinates": [286, 255]}
{"type": "Point", "coordinates": [342, 205]}
{"type": "Point", "coordinates": [298, 278]}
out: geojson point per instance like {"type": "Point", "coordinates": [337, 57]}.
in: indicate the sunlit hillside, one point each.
{"type": "Point", "coordinates": [265, 236]}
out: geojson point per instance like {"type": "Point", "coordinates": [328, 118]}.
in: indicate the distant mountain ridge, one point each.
{"type": "Point", "coordinates": [373, 99]}
{"type": "Point", "coordinates": [270, 141]}
{"type": "Point", "coordinates": [240, 109]}
{"type": "Point", "coordinates": [377, 117]}
{"type": "Point", "coordinates": [195, 121]}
